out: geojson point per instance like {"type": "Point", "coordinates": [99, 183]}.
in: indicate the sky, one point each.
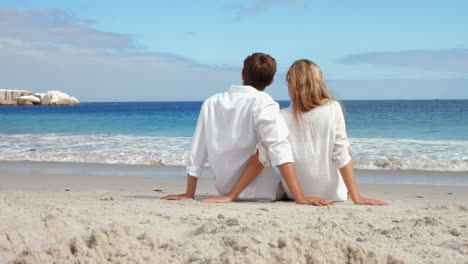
{"type": "Point", "coordinates": [187, 50]}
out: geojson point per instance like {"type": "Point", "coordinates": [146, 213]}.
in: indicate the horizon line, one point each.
{"type": "Point", "coordinates": [281, 100]}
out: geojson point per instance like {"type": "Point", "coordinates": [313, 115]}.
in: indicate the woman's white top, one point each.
{"type": "Point", "coordinates": [320, 148]}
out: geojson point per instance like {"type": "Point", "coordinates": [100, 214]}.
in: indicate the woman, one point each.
{"type": "Point", "coordinates": [317, 135]}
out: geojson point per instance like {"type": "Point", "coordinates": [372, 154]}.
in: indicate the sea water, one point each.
{"type": "Point", "coordinates": [428, 135]}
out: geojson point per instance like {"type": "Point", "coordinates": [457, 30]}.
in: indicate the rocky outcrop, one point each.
{"type": "Point", "coordinates": [58, 98]}
{"type": "Point", "coordinates": [28, 100]}
{"type": "Point", "coordinates": [39, 95]}
{"type": "Point", "coordinates": [10, 97]}
{"type": "Point", "coordinates": [22, 97]}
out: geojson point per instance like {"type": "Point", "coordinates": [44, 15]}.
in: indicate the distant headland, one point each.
{"type": "Point", "coordinates": [23, 97]}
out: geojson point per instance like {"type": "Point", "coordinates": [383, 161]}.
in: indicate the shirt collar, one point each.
{"type": "Point", "coordinates": [242, 89]}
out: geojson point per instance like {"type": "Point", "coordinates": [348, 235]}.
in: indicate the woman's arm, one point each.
{"type": "Point", "coordinates": [253, 168]}
{"type": "Point", "coordinates": [347, 172]}
{"type": "Point", "coordinates": [342, 159]}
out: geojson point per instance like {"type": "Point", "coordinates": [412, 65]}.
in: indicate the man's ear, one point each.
{"type": "Point", "coordinates": [242, 75]}
{"type": "Point", "coordinates": [272, 80]}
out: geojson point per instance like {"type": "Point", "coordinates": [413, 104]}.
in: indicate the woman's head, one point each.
{"type": "Point", "coordinates": [306, 86]}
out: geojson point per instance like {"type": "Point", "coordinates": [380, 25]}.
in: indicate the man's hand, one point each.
{"type": "Point", "coordinates": [218, 199]}
{"type": "Point", "coordinates": [314, 201]}
{"type": "Point", "coordinates": [177, 197]}
{"type": "Point", "coordinates": [366, 201]}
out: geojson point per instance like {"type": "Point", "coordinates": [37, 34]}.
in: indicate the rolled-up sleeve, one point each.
{"type": "Point", "coordinates": [273, 132]}
{"type": "Point", "coordinates": [341, 150]}
{"type": "Point", "coordinates": [198, 152]}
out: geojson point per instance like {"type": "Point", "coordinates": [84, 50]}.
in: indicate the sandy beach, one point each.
{"type": "Point", "coordinates": [86, 217]}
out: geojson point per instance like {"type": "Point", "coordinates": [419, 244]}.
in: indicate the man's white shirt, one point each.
{"type": "Point", "coordinates": [230, 127]}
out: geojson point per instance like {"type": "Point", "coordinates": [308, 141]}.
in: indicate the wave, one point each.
{"type": "Point", "coordinates": [380, 154]}
{"type": "Point", "coordinates": [409, 154]}
{"type": "Point", "coordinates": [101, 148]}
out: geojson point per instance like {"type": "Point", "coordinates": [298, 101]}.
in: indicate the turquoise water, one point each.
{"type": "Point", "coordinates": [435, 119]}
{"type": "Point", "coordinates": [404, 135]}
{"type": "Point", "coordinates": [426, 120]}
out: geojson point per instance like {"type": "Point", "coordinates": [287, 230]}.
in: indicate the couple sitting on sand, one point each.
{"type": "Point", "coordinates": [243, 135]}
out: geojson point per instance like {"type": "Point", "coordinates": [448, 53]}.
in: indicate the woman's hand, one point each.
{"type": "Point", "coordinates": [314, 201]}
{"type": "Point", "coordinates": [218, 199]}
{"type": "Point", "coordinates": [183, 196]}
{"type": "Point", "coordinates": [367, 201]}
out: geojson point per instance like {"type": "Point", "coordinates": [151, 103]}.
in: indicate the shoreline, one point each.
{"type": "Point", "coordinates": [168, 171]}
{"type": "Point", "coordinates": [161, 186]}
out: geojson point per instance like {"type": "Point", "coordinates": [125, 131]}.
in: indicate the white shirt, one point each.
{"type": "Point", "coordinates": [230, 127]}
{"type": "Point", "coordinates": [320, 148]}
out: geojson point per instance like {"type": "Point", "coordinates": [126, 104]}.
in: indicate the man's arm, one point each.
{"type": "Point", "coordinates": [253, 168]}
{"type": "Point", "coordinates": [189, 193]}
{"type": "Point", "coordinates": [197, 158]}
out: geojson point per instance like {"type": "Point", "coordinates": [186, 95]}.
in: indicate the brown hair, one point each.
{"type": "Point", "coordinates": [307, 87]}
{"type": "Point", "coordinates": [259, 70]}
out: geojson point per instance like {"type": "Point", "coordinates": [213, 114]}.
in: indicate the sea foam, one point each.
{"type": "Point", "coordinates": [386, 154]}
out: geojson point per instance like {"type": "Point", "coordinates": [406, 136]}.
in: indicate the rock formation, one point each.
{"type": "Point", "coordinates": [10, 97]}
{"type": "Point", "coordinates": [28, 100]}
{"type": "Point", "coordinates": [58, 98]}
{"type": "Point", "coordinates": [22, 97]}
{"type": "Point", "coordinates": [40, 95]}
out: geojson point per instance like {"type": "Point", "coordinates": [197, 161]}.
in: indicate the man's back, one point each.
{"type": "Point", "coordinates": [231, 125]}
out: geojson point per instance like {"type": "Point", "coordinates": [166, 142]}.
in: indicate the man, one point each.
{"type": "Point", "coordinates": [230, 127]}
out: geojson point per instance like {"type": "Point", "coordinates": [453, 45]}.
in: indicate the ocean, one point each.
{"type": "Point", "coordinates": [409, 135]}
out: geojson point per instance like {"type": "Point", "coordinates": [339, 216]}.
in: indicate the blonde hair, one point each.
{"type": "Point", "coordinates": [309, 90]}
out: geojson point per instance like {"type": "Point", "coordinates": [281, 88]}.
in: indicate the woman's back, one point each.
{"type": "Point", "coordinates": [320, 148]}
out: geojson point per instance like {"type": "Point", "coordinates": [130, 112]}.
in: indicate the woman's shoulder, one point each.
{"type": "Point", "coordinates": [287, 114]}
{"type": "Point", "coordinates": [334, 105]}
{"type": "Point", "coordinates": [330, 105]}
{"type": "Point", "coordinates": [286, 111]}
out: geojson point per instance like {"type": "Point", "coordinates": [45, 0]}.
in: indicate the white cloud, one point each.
{"type": "Point", "coordinates": [95, 75]}
{"type": "Point", "coordinates": [262, 5]}
{"type": "Point", "coordinates": [56, 27]}
{"type": "Point", "coordinates": [47, 49]}
{"type": "Point", "coordinates": [389, 89]}
{"type": "Point", "coordinates": [259, 6]}
{"type": "Point", "coordinates": [451, 60]}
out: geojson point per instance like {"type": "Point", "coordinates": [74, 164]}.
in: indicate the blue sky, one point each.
{"type": "Point", "coordinates": [187, 50]}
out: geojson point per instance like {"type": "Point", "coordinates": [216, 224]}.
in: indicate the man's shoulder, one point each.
{"type": "Point", "coordinates": [266, 96]}
{"type": "Point", "coordinates": [263, 99]}
{"type": "Point", "coordinates": [212, 99]}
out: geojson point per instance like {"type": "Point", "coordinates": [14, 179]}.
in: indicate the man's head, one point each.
{"type": "Point", "coordinates": [259, 70]}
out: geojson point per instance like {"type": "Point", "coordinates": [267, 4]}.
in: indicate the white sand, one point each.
{"type": "Point", "coordinates": [105, 219]}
